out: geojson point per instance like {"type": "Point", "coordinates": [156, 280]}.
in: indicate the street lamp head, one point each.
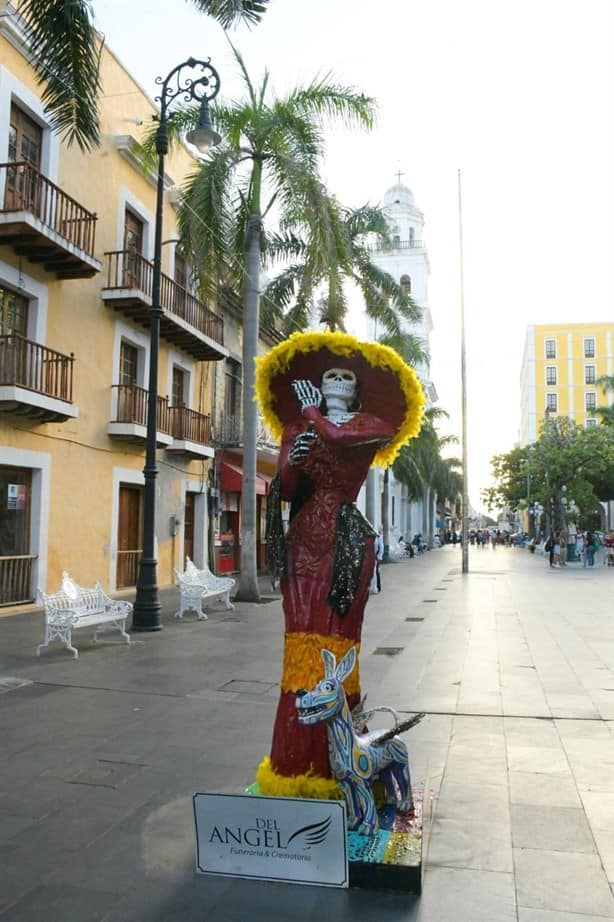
{"type": "Point", "coordinates": [203, 136]}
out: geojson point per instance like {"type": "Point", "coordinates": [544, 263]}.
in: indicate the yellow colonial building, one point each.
{"type": "Point", "coordinates": [76, 244]}
{"type": "Point", "coordinates": [560, 367]}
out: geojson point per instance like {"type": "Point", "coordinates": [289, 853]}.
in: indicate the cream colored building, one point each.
{"type": "Point", "coordinates": [76, 244]}
{"type": "Point", "coordinates": [560, 367]}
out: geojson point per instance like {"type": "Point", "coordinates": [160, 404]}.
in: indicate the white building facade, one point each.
{"type": "Point", "coordinates": [406, 260]}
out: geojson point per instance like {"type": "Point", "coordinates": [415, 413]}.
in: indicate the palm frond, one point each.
{"type": "Point", "coordinates": [411, 348]}
{"type": "Point", "coordinates": [65, 53]}
{"type": "Point", "coordinates": [233, 12]}
{"type": "Point", "coordinates": [331, 101]}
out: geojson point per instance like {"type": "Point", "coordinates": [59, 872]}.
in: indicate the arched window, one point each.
{"type": "Point", "coordinates": [411, 236]}
{"type": "Point", "coordinates": [396, 240]}
{"type": "Point", "coordinates": [405, 283]}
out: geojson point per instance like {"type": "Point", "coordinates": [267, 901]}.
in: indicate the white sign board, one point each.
{"type": "Point", "coordinates": [272, 838]}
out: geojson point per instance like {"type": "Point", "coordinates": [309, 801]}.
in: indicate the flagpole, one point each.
{"type": "Point", "coordinates": [465, 506]}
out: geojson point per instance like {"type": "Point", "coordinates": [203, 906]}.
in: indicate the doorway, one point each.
{"type": "Point", "coordinates": [129, 535]}
{"type": "Point", "coordinates": [188, 526]}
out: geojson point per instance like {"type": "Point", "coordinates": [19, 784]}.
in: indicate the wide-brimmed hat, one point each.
{"type": "Point", "coordinates": [388, 388]}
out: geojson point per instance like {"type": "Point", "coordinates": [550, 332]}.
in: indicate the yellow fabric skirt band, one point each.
{"type": "Point", "coordinates": [308, 785]}
{"type": "Point", "coordinates": [303, 665]}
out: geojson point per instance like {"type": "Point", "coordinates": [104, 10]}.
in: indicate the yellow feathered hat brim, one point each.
{"type": "Point", "coordinates": [389, 388]}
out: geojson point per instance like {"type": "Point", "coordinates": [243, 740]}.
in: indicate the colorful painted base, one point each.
{"type": "Point", "coordinates": [392, 859]}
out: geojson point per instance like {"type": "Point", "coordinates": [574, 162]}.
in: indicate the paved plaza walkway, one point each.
{"type": "Point", "coordinates": [513, 664]}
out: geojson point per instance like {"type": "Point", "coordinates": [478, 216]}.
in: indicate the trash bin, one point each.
{"type": "Point", "coordinates": [571, 553]}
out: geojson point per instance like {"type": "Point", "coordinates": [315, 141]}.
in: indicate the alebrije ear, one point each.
{"type": "Point", "coordinates": [346, 665]}
{"type": "Point", "coordinates": [329, 663]}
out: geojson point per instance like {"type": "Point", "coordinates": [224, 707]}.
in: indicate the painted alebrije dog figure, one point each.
{"type": "Point", "coordinates": [355, 760]}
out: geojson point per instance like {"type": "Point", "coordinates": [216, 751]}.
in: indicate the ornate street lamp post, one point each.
{"type": "Point", "coordinates": [201, 88]}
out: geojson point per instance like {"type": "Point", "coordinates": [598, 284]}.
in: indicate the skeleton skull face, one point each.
{"type": "Point", "coordinates": [339, 382]}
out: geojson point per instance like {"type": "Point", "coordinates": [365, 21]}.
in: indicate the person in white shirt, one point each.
{"type": "Point", "coordinates": [376, 582]}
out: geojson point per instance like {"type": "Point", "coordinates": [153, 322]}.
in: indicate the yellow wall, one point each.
{"type": "Point", "coordinates": [569, 362]}
{"type": "Point", "coordinates": [83, 456]}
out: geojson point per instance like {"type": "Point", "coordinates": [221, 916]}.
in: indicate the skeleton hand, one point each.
{"type": "Point", "coordinates": [300, 447]}
{"type": "Point", "coordinates": [308, 394]}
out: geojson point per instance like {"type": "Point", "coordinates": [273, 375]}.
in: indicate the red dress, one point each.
{"type": "Point", "coordinates": [336, 465]}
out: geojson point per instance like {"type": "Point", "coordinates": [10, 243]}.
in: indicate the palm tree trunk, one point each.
{"type": "Point", "coordinates": [431, 518]}
{"type": "Point", "coordinates": [385, 516]}
{"type": "Point", "coordinates": [248, 590]}
{"type": "Point", "coordinates": [425, 515]}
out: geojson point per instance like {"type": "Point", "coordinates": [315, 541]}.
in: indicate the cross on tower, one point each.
{"type": "Point", "coordinates": [398, 175]}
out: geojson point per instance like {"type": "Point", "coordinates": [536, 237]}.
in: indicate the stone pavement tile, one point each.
{"type": "Point", "coordinates": [546, 915]}
{"type": "Point", "coordinates": [477, 726]}
{"type": "Point", "coordinates": [604, 840]}
{"type": "Point", "coordinates": [471, 770]}
{"type": "Point", "coordinates": [68, 829]}
{"type": "Point", "coordinates": [552, 828]}
{"type": "Point", "coordinates": [463, 895]}
{"type": "Point", "coordinates": [464, 843]}
{"type": "Point", "coordinates": [531, 732]}
{"type": "Point", "coordinates": [592, 775]}
{"type": "Point", "coordinates": [599, 809]}
{"type": "Point", "coordinates": [563, 881]}
{"type": "Point", "coordinates": [542, 789]}
{"type": "Point", "coordinates": [541, 759]}
{"type": "Point", "coordinates": [486, 802]}
{"type": "Point", "coordinates": [582, 729]}
{"type": "Point", "coordinates": [68, 903]}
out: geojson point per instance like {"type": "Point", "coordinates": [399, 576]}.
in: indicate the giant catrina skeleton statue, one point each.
{"type": "Point", "coordinates": [339, 406]}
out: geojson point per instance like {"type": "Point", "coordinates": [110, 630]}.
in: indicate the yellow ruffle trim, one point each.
{"type": "Point", "coordinates": [303, 665]}
{"type": "Point", "coordinates": [276, 361]}
{"type": "Point", "coordinates": [310, 785]}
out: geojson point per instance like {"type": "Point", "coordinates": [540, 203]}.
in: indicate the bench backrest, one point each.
{"type": "Point", "coordinates": [74, 597]}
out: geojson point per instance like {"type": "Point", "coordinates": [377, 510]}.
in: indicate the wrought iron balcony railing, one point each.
{"type": "Point", "coordinates": [29, 365]}
{"type": "Point", "coordinates": [127, 269]}
{"type": "Point", "coordinates": [53, 228]}
{"type": "Point", "coordinates": [190, 426]}
{"type": "Point", "coordinates": [131, 407]}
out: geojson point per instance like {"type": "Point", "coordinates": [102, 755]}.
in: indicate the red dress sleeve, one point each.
{"type": "Point", "coordinates": [364, 429]}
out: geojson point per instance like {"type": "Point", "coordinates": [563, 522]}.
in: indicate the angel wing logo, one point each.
{"type": "Point", "coordinates": [314, 834]}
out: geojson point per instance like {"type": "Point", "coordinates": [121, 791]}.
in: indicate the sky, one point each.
{"type": "Point", "coordinates": [517, 96]}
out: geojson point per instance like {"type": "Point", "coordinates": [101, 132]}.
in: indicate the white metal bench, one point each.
{"type": "Point", "coordinates": [73, 607]}
{"type": "Point", "coordinates": [196, 587]}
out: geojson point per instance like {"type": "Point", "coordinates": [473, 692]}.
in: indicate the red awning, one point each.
{"type": "Point", "coordinates": [231, 480]}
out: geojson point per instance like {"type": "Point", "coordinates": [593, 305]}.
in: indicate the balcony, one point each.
{"type": "Point", "coordinates": [186, 321]}
{"type": "Point", "coordinates": [44, 224]}
{"type": "Point", "coordinates": [130, 416]}
{"type": "Point", "coordinates": [229, 434]}
{"type": "Point", "coordinates": [395, 244]}
{"type": "Point", "coordinates": [191, 433]}
{"type": "Point", "coordinates": [35, 381]}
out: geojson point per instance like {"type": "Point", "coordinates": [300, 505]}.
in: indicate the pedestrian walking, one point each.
{"type": "Point", "coordinates": [579, 544]}
{"type": "Point", "coordinates": [376, 582]}
{"type": "Point", "coordinates": [589, 549]}
{"type": "Point", "coordinates": [549, 547]}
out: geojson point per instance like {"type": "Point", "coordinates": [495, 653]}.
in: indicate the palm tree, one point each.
{"type": "Point", "coordinates": [65, 49]}
{"type": "Point", "coordinates": [273, 148]}
{"type": "Point", "coordinates": [606, 414]}
{"type": "Point", "coordinates": [344, 257]}
{"type": "Point", "coordinates": [424, 472]}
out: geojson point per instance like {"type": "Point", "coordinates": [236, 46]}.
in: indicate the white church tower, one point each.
{"type": "Point", "coordinates": [405, 258]}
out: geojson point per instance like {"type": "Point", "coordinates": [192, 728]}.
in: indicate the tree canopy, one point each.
{"type": "Point", "coordinates": [566, 462]}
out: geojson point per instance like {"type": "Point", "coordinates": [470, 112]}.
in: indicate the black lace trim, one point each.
{"type": "Point", "coordinates": [352, 531]}
{"type": "Point", "coordinates": [275, 556]}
